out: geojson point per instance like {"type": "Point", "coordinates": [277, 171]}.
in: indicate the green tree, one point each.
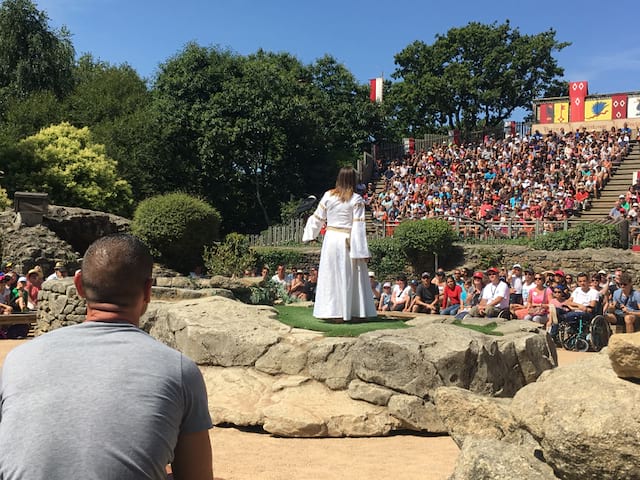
{"type": "Point", "coordinates": [477, 74]}
{"type": "Point", "coordinates": [114, 102]}
{"type": "Point", "coordinates": [420, 240]}
{"type": "Point", "coordinates": [248, 133]}
{"type": "Point", "coordinates": [33, 57]}
{"type": "Point", "coordinates": [64, 162]}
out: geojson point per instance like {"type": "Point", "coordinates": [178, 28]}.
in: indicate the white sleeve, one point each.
{"type": "Point", "coordinates": [316, 221]}
{"type": "Point", "coordinates": [359, 245]}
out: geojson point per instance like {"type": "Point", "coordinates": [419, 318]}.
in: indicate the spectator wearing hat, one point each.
{"type": "Point", "coordinates": [19, 296]}
{"type": "Point", "coordinates": [34, 282]}
{"type": "Point", "coordinates": [427, 296]}
{"type": "Point", "coordinates": [516, 281]}
{"type": "Point", "coordinates": [474, 294]}
{"type": "Point", "coordinates": [558, 277]}
{"type": "Point", "coordinates": [495, 297]}
{"type": "Point", "coordinates": [59, 271]}
{"type": "Point", "coordinates": [385, 298]}
{"type": "Point", "coordinates": [297, 284]}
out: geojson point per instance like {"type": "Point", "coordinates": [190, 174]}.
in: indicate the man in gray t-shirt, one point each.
{"type": "Point", "coordinates": [104, 400]}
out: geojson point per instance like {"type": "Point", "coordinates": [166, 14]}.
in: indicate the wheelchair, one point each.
{"type": "Point", "coordinates": [583, 335]}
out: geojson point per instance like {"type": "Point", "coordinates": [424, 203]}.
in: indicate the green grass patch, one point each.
{"type": "Point", "coordinates": [302, 317]}
{"type": "Point", "coordinates": [488, 329]}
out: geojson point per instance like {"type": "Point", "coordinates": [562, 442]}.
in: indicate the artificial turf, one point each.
{"type": "Point", "coordinates": [302, 317]}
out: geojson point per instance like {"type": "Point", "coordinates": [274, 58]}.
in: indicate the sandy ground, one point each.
{"type": "Point", "coordinates": [240, 455]}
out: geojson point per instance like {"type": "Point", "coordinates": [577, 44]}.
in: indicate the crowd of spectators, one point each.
{"type": "Point", "coordinates": [519, 292]}
{"type": "Point", "coordinates": [19, 293]}
{"type": "Point", "coordinates": [531, 177]}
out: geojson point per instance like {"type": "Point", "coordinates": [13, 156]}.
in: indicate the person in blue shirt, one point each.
{"type": "Point", "coordinates": [625, 305]}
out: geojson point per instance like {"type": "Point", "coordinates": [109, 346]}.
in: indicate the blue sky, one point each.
{"type": "Point", "coordinates": [363, 35]}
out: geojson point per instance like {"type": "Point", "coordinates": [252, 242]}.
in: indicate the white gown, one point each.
{"type": "Point", "coordinates": [343, 289]}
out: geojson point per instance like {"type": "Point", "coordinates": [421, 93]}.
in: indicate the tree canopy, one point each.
{"type": "Point", "coordinates": [474, 74]}
{"type": "Point", "coordinates": [33, 57]}
{"type": "Point", "coordinates": [63, 161]}
{"type": "Point", "coordinates": [246, 133]}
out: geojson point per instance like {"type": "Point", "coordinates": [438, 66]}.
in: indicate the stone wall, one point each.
{"type": "Point", "coordinates": [588, 260]}
{"type": "Point", "coordinates": [59, 305]}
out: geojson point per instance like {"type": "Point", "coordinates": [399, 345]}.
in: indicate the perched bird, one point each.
{"type": "Point", "coordinates": [306, 204]}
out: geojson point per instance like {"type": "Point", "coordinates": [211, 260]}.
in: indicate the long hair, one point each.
{"type": "Point", "coordinates": [345, 184]}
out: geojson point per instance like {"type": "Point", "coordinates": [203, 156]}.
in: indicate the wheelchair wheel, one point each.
{"type": "Point", "coordinates": [599, 333]}
{"type": "Point", "coordinates": [581, 345]}
{"type": "Point", "coordinates": [566, 333]}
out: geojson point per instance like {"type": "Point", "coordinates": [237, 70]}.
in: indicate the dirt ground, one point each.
{"type": "Point", "coordinates": [240, 455]}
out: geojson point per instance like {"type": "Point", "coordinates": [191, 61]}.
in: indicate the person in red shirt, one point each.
{"type": "Point", "coordinates": [451, 297]}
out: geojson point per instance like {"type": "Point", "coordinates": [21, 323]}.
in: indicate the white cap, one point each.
{"type": "Point", "coordinates": [371, 274]}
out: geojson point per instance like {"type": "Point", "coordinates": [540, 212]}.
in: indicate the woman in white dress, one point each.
{"type": "Point", "coordinates": [343, 292]}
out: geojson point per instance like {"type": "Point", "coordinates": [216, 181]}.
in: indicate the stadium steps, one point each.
{"type": "Point", "coordinates": [619, 183]}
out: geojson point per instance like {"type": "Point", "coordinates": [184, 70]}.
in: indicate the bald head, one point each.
{"type": "Point", "coordinates": [115, 270]}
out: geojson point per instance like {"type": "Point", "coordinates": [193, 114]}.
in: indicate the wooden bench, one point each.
{"type": "Point", "coordinates": [19, 319]}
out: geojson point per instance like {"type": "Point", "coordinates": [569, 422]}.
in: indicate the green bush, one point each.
{"type": "Point", "coordinates": [387, 258]}
{"type": "Point", "coordinates": [420, 240]}
{"type": "Point", "coordinates": [176, 227]}
{"type": "Point", "coordinates": [229, 258]}
{"type": "Point", "coordinates": [585, 235]}
{"type": "Point", "coordinates": [4, 200]}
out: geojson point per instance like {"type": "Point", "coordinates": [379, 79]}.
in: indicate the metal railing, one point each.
{"type": "Point", "coordinates": [468, 230]}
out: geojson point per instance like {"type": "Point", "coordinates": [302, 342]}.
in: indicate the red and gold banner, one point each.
{"type": "Point", "coordinates": [619, 106]}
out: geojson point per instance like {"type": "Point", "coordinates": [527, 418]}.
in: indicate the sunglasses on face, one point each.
{"type": "Point", "coordinates": [538, 278]}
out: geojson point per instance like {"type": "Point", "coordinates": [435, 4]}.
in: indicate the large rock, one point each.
{"type": "Point", "coordinates": [490, 459]}
{"type": "Point", "coordinates": [624, 352]}
{"type": "Point", "coordinates": [295, 382]}
{"type": "Point", "coordinates": [291, 406]}
{"type": "Point", "coordinates": [81, 227]}
{"type": "Point", "coordinates": [585, 418]}
{"type": "Point", "coordinates": [467, 414]}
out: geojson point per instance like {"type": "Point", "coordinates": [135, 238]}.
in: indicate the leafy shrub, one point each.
{"type": "Point", "coordinates": [176, 227]}
{"type": "Point", "coordinates": [490, 257]}
{"type": "Point", "coordinates": [4, 200]}
{"type": "Point", "coordinates": [277, 256]}
{"type": "Point", "coordinates": [585, 235]}
{"type": "Point", "coordinates": [231, 257]}
{"type": "Point", "coordinates": [421, 239]}
{"type": "Point", "coordinates": [387, 258]}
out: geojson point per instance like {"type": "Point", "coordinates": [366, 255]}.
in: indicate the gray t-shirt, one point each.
{"type": "Point", "coordinates": [96, 401]}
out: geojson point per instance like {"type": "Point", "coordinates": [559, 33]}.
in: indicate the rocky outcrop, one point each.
{"type": "Point", "coordinates": [299, 383]}
{"type": "Point", "coordinates": [80, 227]}
{"type": "Point", "coordinates": [579, 421]}
{"type": "Point", "coordinates": [27, 247]}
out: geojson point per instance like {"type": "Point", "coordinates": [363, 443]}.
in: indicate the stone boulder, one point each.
{"type": "Point", "coordinates": [624, 353]}
{"type": "Point", "coordinates": [577, 421]}
{"type": "Point", "coordinates": [491, 459]}
{"type": "Point", "coordinates": [585, 418]}
{"type": "Point", "coordinates": [299, 383]}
